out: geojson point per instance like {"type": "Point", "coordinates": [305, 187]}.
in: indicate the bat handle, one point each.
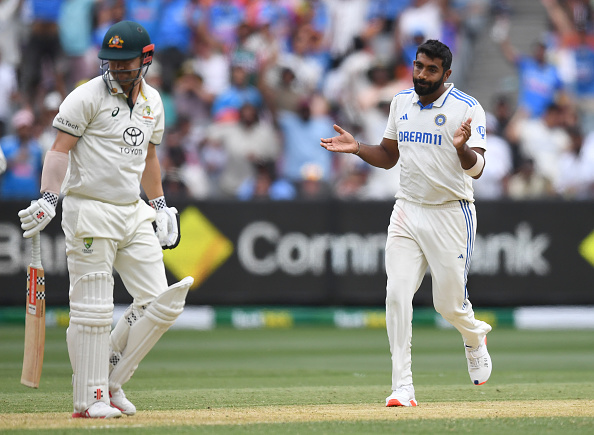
{"type": "Point", "coordinates": [36, 251]}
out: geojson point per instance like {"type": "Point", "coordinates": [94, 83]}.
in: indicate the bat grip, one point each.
{"type": "Point", "coordinates": [36, 251]}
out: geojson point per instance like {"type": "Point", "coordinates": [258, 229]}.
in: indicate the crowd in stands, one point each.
{"type": "Point", "coordinates": [250, 87]}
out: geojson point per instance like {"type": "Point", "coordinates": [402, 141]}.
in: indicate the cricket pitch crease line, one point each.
{"type": "Point", "coordinates": [310, 413]}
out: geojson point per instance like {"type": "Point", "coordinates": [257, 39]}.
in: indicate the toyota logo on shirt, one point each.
{"type": "Point", "coordinates": [133, 136]}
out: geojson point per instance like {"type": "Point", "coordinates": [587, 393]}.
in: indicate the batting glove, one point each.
{"type": "Point", "coordinates": [166, 223]}
{"type": "Point", "coordinates": [36, 217]}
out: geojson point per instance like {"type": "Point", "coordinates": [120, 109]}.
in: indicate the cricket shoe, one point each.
{"type": "Point", "coordinates": [98, 410]}
{"type": "Point", "coordinates": [479, 363]}
{"type": "Point", "coordinates": [403, 396]}
{"type": "Point", "coordinates": [119, 401]}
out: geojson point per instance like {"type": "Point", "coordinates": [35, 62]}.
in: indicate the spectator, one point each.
{"type": "Point", "coordinates": [145, 13]}
{"type": "Point", "coordinates": [11, 31]}
{"type": "Point", "coordinates": [265, 185]}
{"type": "Point", "coordinates": [244, 55]}
{"type": "Point", "coordinates": [214, 158]}
{"type": "Point", "coordinates": [183, 173]}
{"type": "Point", "coordinates": [281, 94]}
{"type": "Point", "coordinates": [503, 112]}
{"type": "Point", "coordinates": [47, 133]}
{"type": "Point", "coordinates": [542, 140]}
{"type": "Point", "coordinates": [223, 17]}
{"type": "Point", "coordinates": [43, 45]}
{"type": "Point", "coordinates": [306, 67]}
{"type": "Point", "coordinates": [190, 96]}
{"type": "Point", "coordinates": [421, 17]}
{"type": "Point", "coordinates": [23, 157]}
{"type": "Point", "coordinates": [278, 15]}
{"type": "Point", "coordinates": [76, 36]}
{"type": "Point", "coordinates": [154, 78]}
{"type": "Point", "coordinates": [576, 169]}
{"type": "Point", "coordinates": [492, 184]}
{"type": "Point", "coordinates": [380, 183]}
{"type": "Point", "coordinates": [343, 82]}
{"type": "Point", "coordinates": [408, 50]}
{"type": "Point", "coordinates": [246, 142]}
{"type": "Point", "coordinates": [381, 83]}
{"type": "Point", "coordinates": [301, 134]}
{"type": "Point", "coordinates": [173, 162]}
{"type": "Point", "coordinates": [539, 79]}
{"type": "Point", "coordinates": [227, 104]}
{"type": "Point", "coordinates": [263, 42]}
{"type": "Point", "coordinates": [346, 21]}
{"type": "Point", "coordinates": [212, 66]}
{"type": "Point", "coordinates": [311, 185]}
{"type": "Point", "coordinates": [527, 184]}
{"type": "Point", "coordinates": [8, 93]}
{"type": "Point", "coordinates": [174, 31]}
{"type": "Point", "coordinates": [107, 12]}
{"type": "Point", "coordinates": [576, 58]}
{"type": "Point", "coordinates": [350, 186]}
{"type": "Point", "coordinates": [315, 13]}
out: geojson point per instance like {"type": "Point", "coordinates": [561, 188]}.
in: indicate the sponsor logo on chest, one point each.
{"type": "Point", "coordinates": [423, 137]}
{"type": "Point", "coordinates": [133, 136]}
{"type": "Point", "coordinates": [420, 137]}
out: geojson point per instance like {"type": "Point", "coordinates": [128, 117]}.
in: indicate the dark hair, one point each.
{"type": "Point", "coordinates": [432, 48]}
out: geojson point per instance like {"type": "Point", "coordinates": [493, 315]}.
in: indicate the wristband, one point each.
{"type": "Point", "coordinates": [478, 166]}
{"type": "Point", "coordinates": [358, 148]}
{"type": "Point", "coordinates": [158, 203]}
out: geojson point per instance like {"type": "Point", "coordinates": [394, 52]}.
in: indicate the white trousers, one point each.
{"type": "Point", "coordinates": [101, 237]}
{"type": "Point", "coordinates": [441, 237]}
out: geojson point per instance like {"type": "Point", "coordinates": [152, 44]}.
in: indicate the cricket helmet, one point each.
{"type": "Point", "coordinates": [126, 40]}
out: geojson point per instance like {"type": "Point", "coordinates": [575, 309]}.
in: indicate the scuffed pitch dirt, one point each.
{"type": "Point", "coordinates": [312, 413]}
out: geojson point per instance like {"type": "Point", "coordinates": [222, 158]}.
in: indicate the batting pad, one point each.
{"type": "Point", "coordinates": [91, 314]}
{"type": "Point", "coordinates": [144, 333]}
{"type": "Point", "coordinates": [119, 336]}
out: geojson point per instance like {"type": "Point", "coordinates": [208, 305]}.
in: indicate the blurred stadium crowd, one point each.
{"type": "Point", "coordinates": [250, 87]}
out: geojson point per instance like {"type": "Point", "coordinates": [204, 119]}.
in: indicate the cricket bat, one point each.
{"type": "Point", "coordinates": [34, 318]}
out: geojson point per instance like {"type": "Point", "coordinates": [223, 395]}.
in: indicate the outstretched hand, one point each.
{"type": "Point", "coordinates": [345, 143]}
{"type": "Point", "coordinates": [462, 134]}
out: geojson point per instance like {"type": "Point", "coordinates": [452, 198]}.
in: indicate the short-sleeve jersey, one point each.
{"type": "Point", "coordinates": [109, 158]}
{"type": "Point", "coordinates": [430, 168]}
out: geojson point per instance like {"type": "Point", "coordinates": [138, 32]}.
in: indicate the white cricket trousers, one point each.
{"type": "Point", "coordinates": [441, 237]}
{"type": "Point", "coordinates": [102, 236]}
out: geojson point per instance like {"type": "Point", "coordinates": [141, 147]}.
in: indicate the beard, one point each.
{"type": "Point", "coordinates": [124, 78]}
{"type": "Point", "coordinates": [423, 88]}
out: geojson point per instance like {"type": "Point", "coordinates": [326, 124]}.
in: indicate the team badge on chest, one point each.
{"type": "Point", "coordinates": [147, 113]}
{"type": "Point", "coordinates": [440, 120]}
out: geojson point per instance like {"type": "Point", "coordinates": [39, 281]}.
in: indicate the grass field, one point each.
{"type": "Point", "coordinates": [319, 380]}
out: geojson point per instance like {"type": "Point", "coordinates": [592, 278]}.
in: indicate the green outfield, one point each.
{"type": "Point", "coordinates": [319, 380]}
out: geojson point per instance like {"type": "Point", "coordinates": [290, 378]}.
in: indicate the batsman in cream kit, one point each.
{"type": "Point", "coordinates": [108, 129]}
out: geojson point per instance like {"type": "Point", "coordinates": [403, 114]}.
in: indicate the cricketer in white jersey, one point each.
{"type": "Point", "coordinates": [112, 136]}
{"type": "Point", "coordinates": [438, 134]}
{"type": "Point", "coordinates": [108, 129]}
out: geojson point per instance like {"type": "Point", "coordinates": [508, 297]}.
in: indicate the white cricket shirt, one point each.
{"type": "Point", "coordinates": [431, 172]}
{"type": "Point", "coordinates": [109, 158]}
